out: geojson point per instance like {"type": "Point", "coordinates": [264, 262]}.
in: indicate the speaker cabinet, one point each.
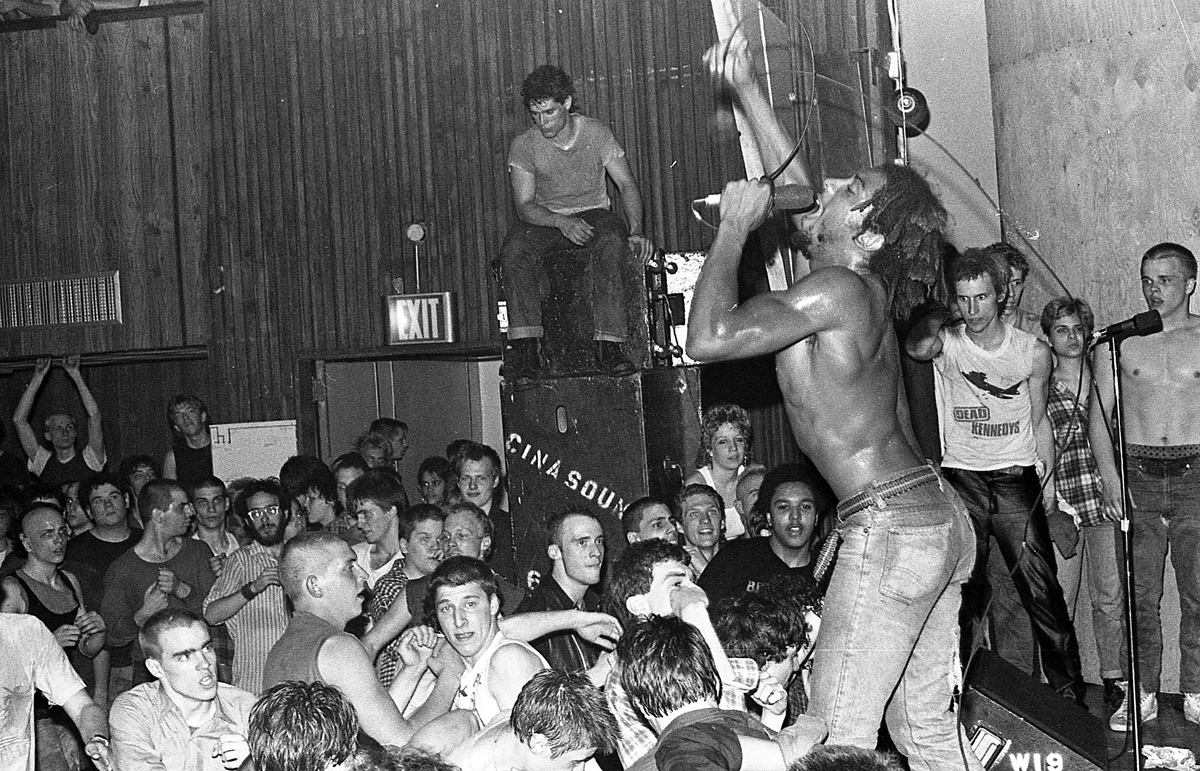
{"type": "Point", "coordinates": [600, 442]}
{"type": "Point", "coordinates": [1018, 724]}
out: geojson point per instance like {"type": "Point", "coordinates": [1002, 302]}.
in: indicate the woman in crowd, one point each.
{"type": "Point", "coordinates": [725, 435]}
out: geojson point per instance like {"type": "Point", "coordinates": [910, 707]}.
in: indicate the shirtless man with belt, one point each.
{"type": "Point", "coordinates": [1160, 378]}
{"type": "Point", "coordinates": [889, 636]}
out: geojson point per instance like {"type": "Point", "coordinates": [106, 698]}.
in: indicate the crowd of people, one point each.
{"type": "Point", "coordinates": [159, 617]}
{"type": "Point", "coordinates": [174, 615]}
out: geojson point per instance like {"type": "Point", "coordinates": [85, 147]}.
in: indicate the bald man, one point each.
{"type": "Point", "coordinates": [322, 577]}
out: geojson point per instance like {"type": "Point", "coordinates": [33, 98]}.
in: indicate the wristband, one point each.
{"type": "Point", "coordinates": [99, 738]}
{"type": "Point", "coordinates": [248, 591]}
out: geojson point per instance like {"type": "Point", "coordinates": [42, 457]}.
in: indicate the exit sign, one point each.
{"type": "Point", "coordinates": [420, 318]}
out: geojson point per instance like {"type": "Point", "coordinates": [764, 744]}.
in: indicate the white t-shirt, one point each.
{"type": "Point", "coordinates": [363, 552]}
{"type": "Point", "coordinates": [32, 660]}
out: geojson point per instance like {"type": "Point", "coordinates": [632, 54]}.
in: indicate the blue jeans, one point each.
{"type": "Point", "coordinates": [525, 280]}
{"type": "Point", "coordinates": [888, 645]}
{"type": "Point", "coordinates": [1166, 513]}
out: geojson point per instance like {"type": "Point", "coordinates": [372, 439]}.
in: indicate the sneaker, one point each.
{"type": "Point", "coordinates": [1114, 692]}
{"type": "Point", "coordinates": [611, 360]}
{"type": "Point", "coordinates": [1149, 709]}
{"type": "Point", "coordinates": [1191, 707]}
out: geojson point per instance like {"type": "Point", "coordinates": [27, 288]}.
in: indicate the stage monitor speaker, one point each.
{"type": "Point", "coordinates": [1015, 723]}
{"type": "Point", "coordinates": [600, 442]}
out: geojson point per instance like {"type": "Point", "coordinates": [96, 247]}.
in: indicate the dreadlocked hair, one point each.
{"type": "Point", "coordinates": [911, 220]}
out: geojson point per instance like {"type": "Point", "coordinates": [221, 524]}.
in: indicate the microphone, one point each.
{"type": "Point", "coordinates": [1140, 325]}
{"type": "Point", "coordinates": [787, 198]}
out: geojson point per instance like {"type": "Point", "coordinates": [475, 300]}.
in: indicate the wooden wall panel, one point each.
{"type": "Point", "coordinates": [103, 137]}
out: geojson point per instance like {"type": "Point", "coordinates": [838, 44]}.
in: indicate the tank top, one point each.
{"type": "Point", "coordinates": [294, 656]}
{"type": "Point", "coordinates": [734, 528]}
{"type": "Point", "coordinates": [191, 466]}
{"type": "Point", "coordinates": [36, 608]}
{"type": "Point", "coordinates": [983, 399]}
{"type": "Point", "coordinates": [57, 473]}
{"type": "Point", "coordinates": [474, 692]}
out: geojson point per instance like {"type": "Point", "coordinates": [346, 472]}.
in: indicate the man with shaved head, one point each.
{"type": "Point", "coordinates": [321, 576]}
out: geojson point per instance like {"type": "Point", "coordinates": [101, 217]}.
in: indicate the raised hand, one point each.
{"type": "Point", "coordinates": [417, 646]}
{"type": "Point", "coordinates": [729, 62]}
{"type": "Point", "coordinates": [446, 661]}
{"type": "Point", "coordinates": [745, 203]}
{"type": "Point", "coordinates": [770, 694]}
{"type": "Point", "coordinates": [686, 596]}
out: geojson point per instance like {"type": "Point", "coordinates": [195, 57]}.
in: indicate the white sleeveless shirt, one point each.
{"type": "Point", "coordinates": [983, 401]}
{"type": "Point", "coordinates": [474, 689]}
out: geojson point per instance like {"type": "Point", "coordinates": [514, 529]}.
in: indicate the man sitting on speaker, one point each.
{"type": "Point", "coordinates": [992, 384]}
{"type": "Point", "coordinates": [557, 170]}
{"type": "Point", "coordinates": [1160, 377]}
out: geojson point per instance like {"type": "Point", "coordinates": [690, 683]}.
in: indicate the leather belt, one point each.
{"type": "Point", "coordinates": [883, 490]}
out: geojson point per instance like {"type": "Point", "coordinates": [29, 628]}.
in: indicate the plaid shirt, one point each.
{"type": "Point", "coordinates": [636, 739]}
{"type": "Point", "coordinates": [1075, 476]}
{"type": "Point", "coordinates": [388, 589]}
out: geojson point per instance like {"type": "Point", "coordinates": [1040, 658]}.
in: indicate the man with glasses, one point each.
{"type": "Point", "coordinates": [247, 596]}
{"type": "Point", "coordinates": [165, 569]}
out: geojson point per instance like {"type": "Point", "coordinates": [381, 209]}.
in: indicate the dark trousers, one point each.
{"type": "Point", "coordinates": [1007, 505]}
{"type": "Point", "coordinates": [525, 280]}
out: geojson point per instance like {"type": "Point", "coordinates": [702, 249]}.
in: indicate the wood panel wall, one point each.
{"type": "Point", "coordinates": [105, 155]}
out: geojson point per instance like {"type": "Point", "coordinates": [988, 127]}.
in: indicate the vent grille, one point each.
{"type": "Point", "coordinates": [89, 299]}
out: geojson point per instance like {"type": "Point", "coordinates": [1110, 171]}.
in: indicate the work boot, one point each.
{"type": "Point", "coordinates": [611, 361]}
{"type": "Point", "coordinates": [524, 360]}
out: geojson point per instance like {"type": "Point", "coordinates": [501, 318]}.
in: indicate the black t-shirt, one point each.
{"type": "Point", "coordinates": [89, 557]}
{"type": "Point", "coordinates": [746, 565]}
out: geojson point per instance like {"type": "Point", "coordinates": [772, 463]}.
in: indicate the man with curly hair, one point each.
{"type": "Point", "coordinates": [888, 647]}
{"type": "Point", "coordinates": [558, 170]}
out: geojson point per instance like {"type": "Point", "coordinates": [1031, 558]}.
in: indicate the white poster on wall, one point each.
{"type": "Point", "coordinates": [252, 449]}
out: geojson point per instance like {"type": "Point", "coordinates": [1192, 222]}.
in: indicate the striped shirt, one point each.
{"type": "Point", "coordinates": [257, 626]}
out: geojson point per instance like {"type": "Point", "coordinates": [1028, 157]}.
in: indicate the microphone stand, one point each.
{"type": "Point", "coordinates": [1133, 693]}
